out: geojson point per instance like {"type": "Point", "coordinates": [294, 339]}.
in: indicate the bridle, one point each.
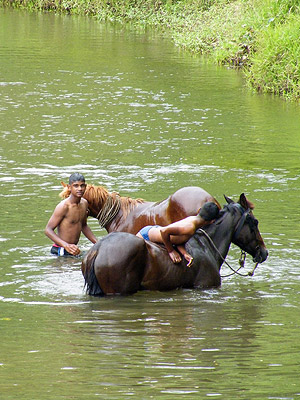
{"type": "Point", "coordinates": [245, 214]}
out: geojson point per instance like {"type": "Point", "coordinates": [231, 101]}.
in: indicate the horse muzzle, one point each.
{"type": "Point", "coordinates": [261, 255]}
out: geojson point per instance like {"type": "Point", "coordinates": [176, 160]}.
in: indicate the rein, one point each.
{"type": "Point", "coordinates": [109, 210]}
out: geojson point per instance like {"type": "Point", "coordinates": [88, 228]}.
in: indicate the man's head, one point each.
{"type": "Point", "coordinates": [76, 177]}
{"type": "Point", "coordinates": [209, 211]}
{"type": "Point", "coordinates": [77, 185]}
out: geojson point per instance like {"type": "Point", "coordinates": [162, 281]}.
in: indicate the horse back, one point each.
{"type": "Point", "coordinates": [183, 203]}
{"type": "Point", "coordinates": [187, 201]}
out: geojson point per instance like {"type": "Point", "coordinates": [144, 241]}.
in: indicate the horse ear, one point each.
{"type": "Point", "coordinates": [229, 201]}
{"type": "Point", "coordinates": [244, 202]}
{"type": "Point", "coordinates": [63, 184]}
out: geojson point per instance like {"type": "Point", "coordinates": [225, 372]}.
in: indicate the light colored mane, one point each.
{"type": "Point", "coordinates": [97, 195]}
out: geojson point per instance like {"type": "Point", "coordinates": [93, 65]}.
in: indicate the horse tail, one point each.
{"type": "Point", "coordinates": [88, 271]}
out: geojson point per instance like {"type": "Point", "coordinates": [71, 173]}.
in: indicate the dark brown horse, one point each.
{"type": "Point", "coordinates": [118, 213]}
{"type": "Point", "coordinates": [122, 263]}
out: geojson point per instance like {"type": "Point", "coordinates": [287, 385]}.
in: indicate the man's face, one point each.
{"type": "Point", "coordinates": [77, 188]}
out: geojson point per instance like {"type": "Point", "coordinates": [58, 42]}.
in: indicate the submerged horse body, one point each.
{"type": "Point", "coordinates": [122, 263]}
{"type": "Point", "coordinates": [124, 214]}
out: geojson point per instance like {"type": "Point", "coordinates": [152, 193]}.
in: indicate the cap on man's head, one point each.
{"type": "Point", "coordinates": [209, 211]}
{"type": "Point", "coordinates": [76, 177]}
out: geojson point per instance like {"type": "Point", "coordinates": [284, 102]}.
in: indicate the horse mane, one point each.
{"type": "Point", "coordinates": [65, 192]}
{"type": "Point", "coordinates": [98, 195]}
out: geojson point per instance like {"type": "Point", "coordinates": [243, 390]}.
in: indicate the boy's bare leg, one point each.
{"type": "Point", "coordinates": [185, 254]}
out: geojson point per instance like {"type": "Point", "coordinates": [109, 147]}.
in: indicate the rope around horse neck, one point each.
{"type": "Point", "coordinates": [242, 259]}
{"type": "Point", "coordinates": [109, 210]}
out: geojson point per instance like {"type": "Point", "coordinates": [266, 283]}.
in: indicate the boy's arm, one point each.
{"type": "Point", "coordinates": [173, 230]}
{"type": "Point", "coordinates": [166, 233]}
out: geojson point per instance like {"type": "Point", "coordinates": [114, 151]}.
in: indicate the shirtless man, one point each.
{"type": "Point", "coordinates": [180, 232]}
{"type": "Point", "coordinates": [70, 219]}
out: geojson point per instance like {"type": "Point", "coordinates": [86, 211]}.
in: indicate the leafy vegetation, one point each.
{"type": "Point", "coordinates": [259, 36]}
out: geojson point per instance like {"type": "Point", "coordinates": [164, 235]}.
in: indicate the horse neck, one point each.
{"type": "Point", "coordinates": [222, 232]}
{"type": "Point", "coordinates": [96, 196]}
{"type": "Point", "coordinates": [109, 208]}
{"type": "Point", "coordinates": [122, 221]}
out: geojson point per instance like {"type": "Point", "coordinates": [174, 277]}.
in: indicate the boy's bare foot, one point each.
{"type": "Point", "coordinates": [189, 260]}
{"type": "Point", "coordinates": [175, 257]}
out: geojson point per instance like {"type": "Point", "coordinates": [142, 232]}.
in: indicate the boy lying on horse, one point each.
{"type": "Point", "coordinates": [180, 232]}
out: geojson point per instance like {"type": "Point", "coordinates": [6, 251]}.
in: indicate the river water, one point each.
{"type": "Point", "coordinates": [136, 114]}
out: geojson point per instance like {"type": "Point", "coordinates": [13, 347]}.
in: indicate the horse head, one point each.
{"type": "Point", "coordinates": [246, 234]}
{"type": "Point", "coordinates": [96, 196]}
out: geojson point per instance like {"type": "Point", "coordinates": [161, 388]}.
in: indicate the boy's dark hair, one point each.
{"type": "Point", "coordinates": [209, 211]}
{"type": "Point", "coordinates": [76, 177]}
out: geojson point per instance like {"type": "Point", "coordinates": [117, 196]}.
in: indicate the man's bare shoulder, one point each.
{"type": "Point", "coordinates": [62, 207]}
{"type": "Point", "coordinates": [62, 204]}
{"type": "Point", "coordinates": [84, 201]}
{"type": "Point", "coordinates": [84, 204]}
{"type": "Point", "coordinates": [60, 211]}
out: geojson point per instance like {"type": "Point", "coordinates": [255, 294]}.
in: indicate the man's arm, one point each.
{"type": "Point", "coordinates": [86, 230]}
{"type": "Point", "coordinates": [54, 221]}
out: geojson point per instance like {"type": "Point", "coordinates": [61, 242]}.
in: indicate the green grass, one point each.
{"type": "Point", "coordinates": [259, 36]}
{"type": "Point", "coordinates": [276, 63]}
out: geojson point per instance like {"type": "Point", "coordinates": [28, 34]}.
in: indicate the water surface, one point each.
{"type": "Point", "coordinates": [136, 114]}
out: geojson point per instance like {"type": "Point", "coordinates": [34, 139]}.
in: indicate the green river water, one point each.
{"type": "Point", "coordinates": [136, 114]}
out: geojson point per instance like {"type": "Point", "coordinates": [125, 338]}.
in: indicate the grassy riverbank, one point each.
{"type": "Point", "coordinates": [259, 36]}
